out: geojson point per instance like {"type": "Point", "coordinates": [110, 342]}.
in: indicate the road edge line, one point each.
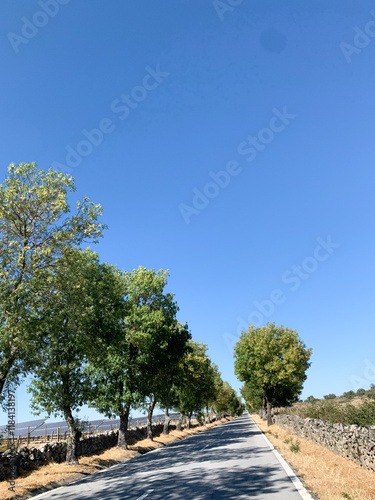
{"type": "Point", "coordinates": [304, 494]}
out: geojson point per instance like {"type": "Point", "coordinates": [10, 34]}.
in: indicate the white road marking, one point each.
{"type": "Point", "coordinates": [49, 492]}
{"type": "Point", "coordinates": [297, 483]}
{"type": "Point", "coordinates": [145, 495]}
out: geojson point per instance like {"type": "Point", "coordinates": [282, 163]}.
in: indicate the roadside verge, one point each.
{"type": "Point", "coordinates": [329, 476]}
{"type": "Point", "coordinates": [305, 495]}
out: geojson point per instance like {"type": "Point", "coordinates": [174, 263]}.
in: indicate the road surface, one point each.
{"type": "Point", "coordinates": [229, 461]}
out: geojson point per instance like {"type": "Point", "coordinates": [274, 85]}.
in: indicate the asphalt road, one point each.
{"type": "Point", "coordinates": [229, 461]}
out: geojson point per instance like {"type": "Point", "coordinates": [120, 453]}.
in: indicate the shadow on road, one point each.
{"type": "Point", "coordinates": [209, 465]}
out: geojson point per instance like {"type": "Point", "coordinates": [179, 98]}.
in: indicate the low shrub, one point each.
{"type": "Point", "coordinates": [335, 412]}
{"type": "Point", "coordinates": [295, 447]}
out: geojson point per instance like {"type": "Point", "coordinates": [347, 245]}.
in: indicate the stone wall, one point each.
{"type": "Point", "coordinates": [350, 441]}
{"type": "Point", "coordinates": [29, 458]}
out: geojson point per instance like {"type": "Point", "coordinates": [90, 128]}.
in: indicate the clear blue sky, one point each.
{"type": "Point", "coordinates": [278, 95]}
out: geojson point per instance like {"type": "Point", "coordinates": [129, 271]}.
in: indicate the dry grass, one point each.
{"type": "Point", "coordinates": [326, 474]}
{"type": "Point", "coordinates": [356, 401]}
{"type": "Point", "coordinates": [57, 474]}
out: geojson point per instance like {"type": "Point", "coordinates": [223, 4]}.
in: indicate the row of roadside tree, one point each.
{"type": "Point", "coordinates": [86, 331]}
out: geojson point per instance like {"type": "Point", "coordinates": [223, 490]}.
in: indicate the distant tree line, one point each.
{"type": "Point", "coordinates": [336, 411]}
{"type": "Point", "coordinates": [86, 331]}
{"type": "Point", "coordinates": [348, 395]}
{"type": "Point", "coordinates": [339, 409]}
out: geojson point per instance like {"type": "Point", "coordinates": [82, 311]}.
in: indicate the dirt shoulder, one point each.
{"type": "Point", "coordinates": [329, 476]}
{"type": "Point", "coordinates": [53, 475]}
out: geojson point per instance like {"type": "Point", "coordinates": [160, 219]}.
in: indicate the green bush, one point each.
{"type": "Point", "coordinates": [349, 395]}
{"type": "Point", "coordinates": [346, 495]}
{"type": "Point", "coordinates": [329, 396]}
{"type": "Point", "coordinates": [334, 412]}
{"type": "Point", "coordinates": [371, 392]}
{"type": "Point", "coordinates": [295, 447]}
{"type": "Point", "coordinates": [310, 399]}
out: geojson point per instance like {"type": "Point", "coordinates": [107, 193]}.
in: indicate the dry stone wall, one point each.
{"type": "Point", "coordinates": [350, 441]}
{"type": "Point", "coordinates": [29, 458]}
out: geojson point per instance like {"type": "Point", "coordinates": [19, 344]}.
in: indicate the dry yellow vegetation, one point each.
{"type": "Point", "coordinates": [329, 476]}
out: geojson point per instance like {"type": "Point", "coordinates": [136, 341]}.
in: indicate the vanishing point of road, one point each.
{"type": "Point", "coordinates": [228, 461]}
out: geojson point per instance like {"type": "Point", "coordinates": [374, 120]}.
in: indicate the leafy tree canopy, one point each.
{"type": "Point", "coordinates": [151, 338]}
{"type": "Point", "coordinates": [274, 360]}
{"type": "Point", "coordinates": [196, 382]}
{"type": "Point", "coordinates": [35, 227]}
{"type": "Point", "coordinates": [77, 319]}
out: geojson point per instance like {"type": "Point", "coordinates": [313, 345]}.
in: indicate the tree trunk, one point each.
{"type": "Point", "coordinates": [13, 352]}
{"type": "Point", "coordinates": [179, 423]}
{"type": "Point", "coordinates": [264, 412]}
{"type": "Point", "coordinates": [269, 416]}
{"type": "Point", "coordinates": [207, 417]}
{"type": "Point", "coordinates": [73, 439]}
{"type": "Point", "coordinates": [2, 383]}
{"type": "Point", "coordinates": [150, 411]}
{"type": "Point", "coordinates": [167, 420]}
{"type": "Point", "coordinates": [123, 430]}
{"type": "Point", "coordinates": [6, 368]}
{"type": "Point", "coordinates": [188, 418]}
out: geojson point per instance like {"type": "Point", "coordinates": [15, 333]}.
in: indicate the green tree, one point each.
{"type": "Point", "coordinates": [195, 383]}
{"type": "Point", "coordinates": [310, 399]}
{"type": "Point", "coordinates": [253, 396]}
{"type": "Point", "coordinates": [35, 227]}
{"type": "Point", "coordinates": [160, 373]}
{"type": "Point", "coordinates": [163, 374]}
{"type": "Point", "coordinates": [83, 311]}
{"type": "Point", "coordinates": [122, 379]}
{"type": "Point", "coordinates": [217, 384]}
{"type": "Point", "coordinates": [227, 401]}
{"type": "Point", "coordinates": [370, 393]}
{"type": "Point", "coordinates": [168, 400]}
{"type": "Point", "coordinates": [329, 396]}
{"type": "Point", "coordinates": [275, 360]}
{"type": "Point", "coordinates": [348, 395]}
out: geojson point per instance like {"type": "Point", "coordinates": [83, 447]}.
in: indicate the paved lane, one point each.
{"type": "Point", "coordinates": [230, 461]}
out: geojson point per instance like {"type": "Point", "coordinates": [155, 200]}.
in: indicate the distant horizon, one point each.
{"type": "Point", "coordinates": [95, 415]}
{"type": "Point", "coordinates": [49, 421]}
